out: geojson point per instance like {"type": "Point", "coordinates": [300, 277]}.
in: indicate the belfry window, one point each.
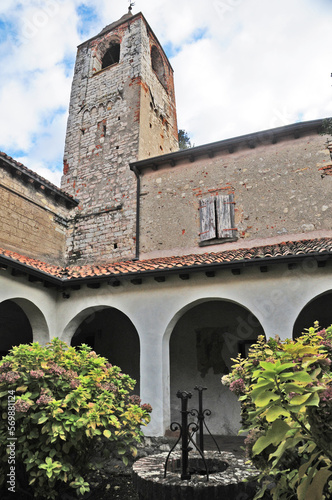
{"type": "Point", "coordinates": [111, 56]}
{"type": "Point", "coordinates": [158, 65]}
{"type": "Point", "coordinates": [217, 219]}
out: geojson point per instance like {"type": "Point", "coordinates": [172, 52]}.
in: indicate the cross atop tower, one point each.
{"type": "Point", "coordinates": [131, 5]}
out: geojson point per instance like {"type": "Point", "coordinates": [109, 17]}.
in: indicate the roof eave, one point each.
{"type": "Point", "coordinates": [64, 282]}
{"type": "Point", "coordinates": [38, 180]}
{"type": "Point", "coordinates": [250, 140]}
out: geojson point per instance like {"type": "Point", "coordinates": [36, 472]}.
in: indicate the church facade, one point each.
{"type": "Point", "coordinates": [169, 262]}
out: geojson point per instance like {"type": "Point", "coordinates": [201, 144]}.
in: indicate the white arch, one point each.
{"type": "Point", "coordinates": [166, 345]}
{"type": "Point", "coordinates": [40, 329]}
{"type": "Point", "coordinates": [75, 322]}
{"type": "Point", "coordinates": [307, 304]}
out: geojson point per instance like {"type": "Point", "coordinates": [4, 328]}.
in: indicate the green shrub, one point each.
{"type": "Point", "coordinates": [59, 402]}
{"type": "Point", "coordinates": [285, 390]}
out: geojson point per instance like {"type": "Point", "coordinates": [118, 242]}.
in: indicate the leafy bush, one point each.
{"type": "Point", "coordinates": [59, 402]}
{"type": "Point", "coordinates": [285, 390]}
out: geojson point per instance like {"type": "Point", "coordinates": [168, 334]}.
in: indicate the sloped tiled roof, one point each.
{"type": "Point", "coordinates": [321, 247]}
{"type": "Point", "coordinates": [10, 257]}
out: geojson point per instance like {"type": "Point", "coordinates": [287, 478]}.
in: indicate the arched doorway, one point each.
{"type": "Point", "coordinates": [111, 334]}
{"type": "Point", "coordinates": [202, 343]}
{"type": "Point", "coordinates": [15, 327]}
{"type": "Point", "coordinates": [318, 309]}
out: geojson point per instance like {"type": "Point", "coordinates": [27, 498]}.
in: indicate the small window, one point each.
{"type": "Point", "coordinates": [158, 65]}
{"type": "Point", "coordinates": [111, 56]}
{"type": "Point", "coordinates": [217, 218]}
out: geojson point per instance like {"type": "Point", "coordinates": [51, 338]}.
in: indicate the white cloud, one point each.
{"type": "Point", "coordinates": [240, 66]}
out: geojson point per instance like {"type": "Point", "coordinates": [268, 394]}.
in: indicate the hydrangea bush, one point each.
{"type": "Point", "coordinates": [285, 390]}
{"type": "Point", "coordinates": [59, 402]}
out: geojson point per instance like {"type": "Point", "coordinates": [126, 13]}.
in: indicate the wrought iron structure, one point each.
{"type": "Point", "coordinates": [201, 414]}
{"type": "Point", "coordinates": [187, 430]}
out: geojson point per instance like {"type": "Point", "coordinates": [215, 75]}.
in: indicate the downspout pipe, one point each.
{"type": "Point", "coordinates": [138, 195]}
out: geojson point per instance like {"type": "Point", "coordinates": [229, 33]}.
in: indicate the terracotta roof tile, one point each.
{"type": "Point", "coordinates": [50, 269]}
{"type": "Point", "coordinates": [164, 264]}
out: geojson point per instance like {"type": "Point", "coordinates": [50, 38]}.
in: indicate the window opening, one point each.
{"type": "Point", "coordinates": [158, 65]}
{"type": "Point", "coordinates": [111, 56]}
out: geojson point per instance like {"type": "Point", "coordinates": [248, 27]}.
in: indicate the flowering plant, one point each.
{"type": "Point", "coordinates": [285, 390]}
{"type": "Point", "coordinates": [65, 400]}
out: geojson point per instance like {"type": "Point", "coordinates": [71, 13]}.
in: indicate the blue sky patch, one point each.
{"type": "Point", "coordinates": [172, 50]}
{"type": "Point", "coordinates": [87, 16]}
{"type": "Point", "coordinates": [7, 30]}
{"type": "Point", "coordinates": [199, 34]}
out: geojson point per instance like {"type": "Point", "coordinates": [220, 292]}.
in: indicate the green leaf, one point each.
{"type": "Point", "coordinates": [313, 400]}
{"type": "Point", "coordinates": [274, 412]}
{"type": "Point", "coordinates": [304, 467]}
{"type": "Point", "coordinates": [264, 398]}
{"type": "Point", "coordinates": [300, 376]}
{"type": "Point", "coordinates": [262, 382]}
{"type": "Point", "coordinates": [274, 435]}
{"type": "Point", "coordinates": [107, 433]}
{"type": "Point", "coordinates": [21, 388]}
{"type": "Point", "coordinates": [289, 387]}
{"type": "Point", "coordinates": [42, 419]}
{"type": "Point", "coordinates": [268, 366]}
{"type": "Point", "coordinates": [266, 374]}
{"type": "Point", "coordinates": [284, 366]}
{"type": "Point", "coordinates": [300, 399]}
{"type": "Point", "coordinates": [66, 447]}
{"type": "Point", "coordinates": [315, 490]}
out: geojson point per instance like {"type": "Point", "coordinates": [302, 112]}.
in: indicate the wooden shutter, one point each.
{"type": "Point", "coordinates": [207, 219]}
{"type": "Point", "coordinates": [225, 216]}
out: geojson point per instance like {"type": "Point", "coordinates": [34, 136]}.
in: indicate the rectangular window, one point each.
{"type": "Point", "coordinates": [217, 218]}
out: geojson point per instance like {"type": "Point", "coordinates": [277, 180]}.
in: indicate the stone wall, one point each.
{"type": "Point", "coordinates": [279, 190]}
{"type": "Point", "coordinates": [32, 223]}
{"type": "Point", "coordinates": [114, 118]}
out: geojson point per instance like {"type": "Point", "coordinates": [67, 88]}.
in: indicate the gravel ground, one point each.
{"type": "Point", "coordinates": [111, 483]}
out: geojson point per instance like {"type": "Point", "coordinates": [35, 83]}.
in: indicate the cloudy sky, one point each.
{"type": "Point", "coordinates": [240, 66]}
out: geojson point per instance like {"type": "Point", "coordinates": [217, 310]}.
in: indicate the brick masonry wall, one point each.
{"type": "Point", "coordinates": [107, 129]}
{"type": "Point", "coordinates": [28, 220]}
{"type": "Point", "coordinates": [158, 122]}
{"type": "Point", "coordinates": [280, 189]}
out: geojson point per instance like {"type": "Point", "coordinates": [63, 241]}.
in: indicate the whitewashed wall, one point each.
{"type": "Point", "coordinates": [276, 298]}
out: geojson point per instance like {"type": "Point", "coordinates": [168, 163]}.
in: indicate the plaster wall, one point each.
{"type": "Point", "coordinates": [275, 298]}
{"type": "Point", "coordinates": [29, 222]}
{"type": "Point", "coordinates": [155, 310]}
{"type": "Point", "coordinates": [280, 190]}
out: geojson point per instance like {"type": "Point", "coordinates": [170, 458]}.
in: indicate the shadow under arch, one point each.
{"type": "Point", "coordinates": [198, 345]}
{"type": "Point", "coordinates": [21, 322]}
{"type": "Point", "coordinates": [111, 334]}
{"type": "Point", "coordinates": [317, 309]}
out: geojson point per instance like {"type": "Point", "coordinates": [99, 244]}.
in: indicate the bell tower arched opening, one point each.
{"type": "Point", "coordinates": [111, 56]}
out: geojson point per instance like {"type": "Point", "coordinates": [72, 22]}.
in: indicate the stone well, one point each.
{"type": "Point", "coordinates": [229, 478]}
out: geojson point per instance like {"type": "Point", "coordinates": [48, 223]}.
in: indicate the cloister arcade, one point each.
{"type": "Point", "coordinates": [170, 336]}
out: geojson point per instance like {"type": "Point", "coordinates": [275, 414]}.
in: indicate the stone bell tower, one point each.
{"type": "Point", "coordinates": [122, 109]}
